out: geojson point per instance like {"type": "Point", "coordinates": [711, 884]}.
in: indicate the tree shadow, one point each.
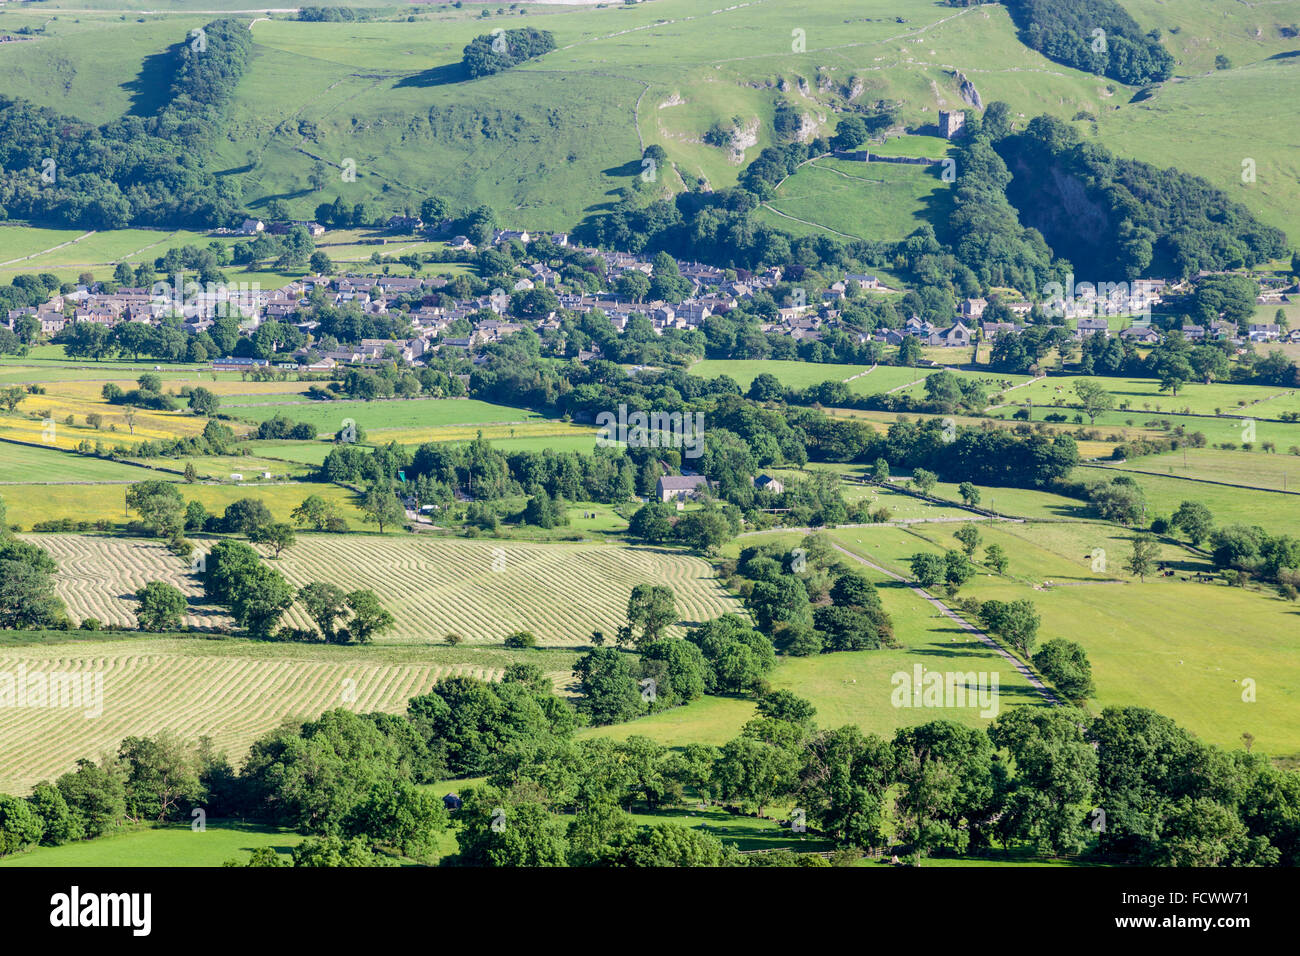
{"type": "Point", "coordinates": [631, 168]}
{"type": "Point", "coordinates": [438, 76]}
{"type": "Point", "coordinates": [151, 86]}
{"type": "Point", "coordinates": [267, 200]}
{"type": "Point", "coordinates": [975, 648]}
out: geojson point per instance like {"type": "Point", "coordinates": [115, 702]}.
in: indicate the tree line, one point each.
{"type": "Point", "coordinates": [1127, 786]}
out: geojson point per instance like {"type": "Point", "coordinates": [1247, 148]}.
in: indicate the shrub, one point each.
{"type": "Point", "coordinates": [521, 639]}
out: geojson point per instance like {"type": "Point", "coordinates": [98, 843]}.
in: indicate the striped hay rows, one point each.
{"type": "Point", "coordinates": [560, 592]}
{"type": "Point", "coordinates": [232, 700]}
{"type": "Point", "coordinates": [97, 577]}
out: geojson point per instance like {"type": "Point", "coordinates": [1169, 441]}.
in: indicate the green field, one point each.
{"type": "Point", "coordinates": [224, 467]}
{"type": "Point", "coordinates": [1280, 513]}
{"type": "Point", "coordinates": [26, 463]}
{"type": "Point", "coordinates": [855, 687]}
{"type": "Point", "coordinates": [1158, 644]}
{"type": "Point", "coordinates": [392, 414]}
{"type": "Point", "coordinates": [862, 379]}
{"type": "Point", "coordinates": [30, 503]}
{"type": "Point", "coordinates": [881, 201]}
{"type": "Point", "coordinates": [791, 374]}
{"type": "Point", "coordinates": [1217, 430]}
{"type": "Point", "coordinates": [1254, 469]}
{"type": "Point", "coordinates": [169, 846]}
{"type": "Point", "coordinates": [67, 253]}
{"type": "Point", "coordinates": [1143, 396]}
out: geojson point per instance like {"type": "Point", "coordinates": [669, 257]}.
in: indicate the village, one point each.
{"type": "Point", "coordinates": [438, 321]}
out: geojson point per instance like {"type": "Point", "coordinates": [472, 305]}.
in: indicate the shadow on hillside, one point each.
{"type": "Point", "coordinates": [236, 170]}
{"type": "Point", "coordinates": [438, 76]}
{"type": "Point", "coordinates": [151, 85]}
{"type": "Point", "coordinates": [936, 208]}
{"type": "Point", "coordinates": [267, 200]}
{"type": "Point", "coordinates": [631, 168]}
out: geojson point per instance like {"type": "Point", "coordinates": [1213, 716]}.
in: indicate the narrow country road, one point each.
{"type": "Point", "coordinates": [949, 612]}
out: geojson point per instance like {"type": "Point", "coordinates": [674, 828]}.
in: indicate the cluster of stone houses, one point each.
{"type": "Point", "coordinates": [710, 293]}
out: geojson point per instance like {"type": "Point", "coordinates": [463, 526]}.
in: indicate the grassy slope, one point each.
{"type": "Point", "coordinates": [563, 131]}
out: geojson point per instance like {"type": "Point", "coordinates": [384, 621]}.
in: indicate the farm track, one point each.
{"type": "Point", "coordinates": [807, 222]}
{"type": "Point", "coordinates": [948, 612]}
{"type": "Point", "coordinates": [62, 245]}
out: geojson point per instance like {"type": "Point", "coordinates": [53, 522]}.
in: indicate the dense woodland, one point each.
{"type": "Point", "coordinates": [1097, 36]}
{"type": "Point", "coordinates": [1141, 220]}
{"type": "Point", "coordinates": [135, 171]}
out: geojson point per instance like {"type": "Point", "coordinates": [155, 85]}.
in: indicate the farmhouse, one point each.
{"type": "Point", "coordinates": [863, 281]}
{"type": "Point", "coordinates": [955, 336]}
{"type": "Point", "coordinates": [1091, 326]}
{"type": "Point", "coordinates": [768, 483]}
{"type": "Point", "coordinates": [681, 487]}
{"type": "Point", "coordinates": [231, 364]}
{"type": "Point", "coordinates": [1141, 335]}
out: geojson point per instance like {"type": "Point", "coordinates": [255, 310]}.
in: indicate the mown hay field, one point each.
{"type": "Point", "coordinates": [482, 590]}
{"type": "Point", "coordinates": [486, 590]}
{"type": "Point", "coordinates": [98, 575]}
{"type": "Point", "coordinates": [231, 691]}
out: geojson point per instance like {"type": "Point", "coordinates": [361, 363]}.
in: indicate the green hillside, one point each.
{"type": "Point", "coordinates": [549, 141]}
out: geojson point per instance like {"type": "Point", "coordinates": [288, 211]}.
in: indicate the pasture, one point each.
{"type": "Point", "coordinates": [221, 467]}
{"type": "Point", "coordinates": [880, 201]}
{"type": "Point", "coordinates": [1280, 513]}
{"type": "Point", "coordinates": [791, 374]}
{"type": "Point", "coordinates": [26, 463]}
{"type": "Point", "coordinates": [856, 687]}
{"type": "Point", "coordinates": [1254, 469]}
{"type": "Point", "coordinates": [167, 846]}
{"type": "Point", "coordinates": [1157, 644]}
{"type": "Point", "coordinates": [390, 95]}
{"type": "Point", "coordinates": [1137, 396]}
{"type": "Point", "coordinates": [387, 415]}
